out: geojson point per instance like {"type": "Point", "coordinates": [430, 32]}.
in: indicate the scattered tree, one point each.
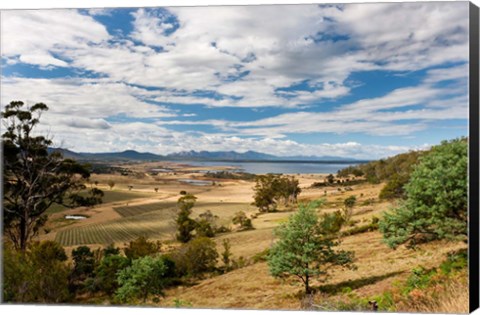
{"type": "Point", "coordinates": [436, 205]}
{"type": "Point", "coordinates": [330, 178]}
{"type": "Point", "coordinates": [111, 184]}
{"type": "Point", "coordinates": [35, 178]}
{"type": "Point", "coordinates": [305, 248]}
{"type": "Point", "coordinates": [206, 224]}
{"type": "Point", "coordinates": [349, 203]}
{"type": "Point", "coordinates": [185, 224]}
{"type": "Point", "coordinates": [270, 189]}
{"type": "Point", "coordinates": [241, 219]}
{"type": "Point", "coordinates": [264, 197]}
{"type": "Point", "coordinates": [226, 254]}
{"type": "Point", "coordinates": [156, 189]}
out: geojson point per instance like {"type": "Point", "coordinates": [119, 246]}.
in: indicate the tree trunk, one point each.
{"type": "Point", "coordinates": [23, 234]}
{"type": "Point", "coordinates": [307, 287]}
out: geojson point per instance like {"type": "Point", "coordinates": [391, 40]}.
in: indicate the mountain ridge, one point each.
{"type": "Point", "coordinates": [133, 155]}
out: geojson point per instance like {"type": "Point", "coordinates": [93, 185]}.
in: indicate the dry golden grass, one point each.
{"type": "Point", "coordinates": [252, 287]}
{"type": "Point", "coordinates": [449, 297]}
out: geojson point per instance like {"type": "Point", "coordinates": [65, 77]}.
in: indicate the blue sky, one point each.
{"type": "Point", "coordinates": [355, 80]}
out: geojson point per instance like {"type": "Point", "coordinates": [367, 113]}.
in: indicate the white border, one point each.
{"type": "Point", "coordinates": [45, 4]}
{"type": "Point", "coordinates": [97, 310]}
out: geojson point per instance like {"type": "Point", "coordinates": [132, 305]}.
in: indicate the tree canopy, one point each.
{"type": "Point", "coordinates": [144, 277]}
{"type": "Point", "coordinates": [35, 178]}
{"type": "Point", "coordinates": [436, 205]}
{"type": "Point", "coordinates": [270, 189]}
{"type": "Point", "coordinates": [305, 247]}
{"type": "Point", "coordinates": [185, 224]}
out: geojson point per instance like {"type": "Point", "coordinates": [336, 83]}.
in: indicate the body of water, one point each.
{"type": "Point", "coordinates": [264, 167]}
{"type": "Point", "coordinates": [75, 217]}
{"type": "Point", "coordinates": [196, 182]}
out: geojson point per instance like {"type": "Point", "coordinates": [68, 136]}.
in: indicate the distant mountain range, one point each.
{"type": "Point", "coordinates": [132, 155]}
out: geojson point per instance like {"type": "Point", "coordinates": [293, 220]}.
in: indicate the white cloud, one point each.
{"type": "Point", "coordinates": [146, 137]}
{"type": "Point", "coordinates": [249, 55]}
{"type": "Point", "coordinates": [90, 98]}
{"type": "Point", "coordinates": [212, 45]}
{"type": "Point", "coordinates": [42, 37]}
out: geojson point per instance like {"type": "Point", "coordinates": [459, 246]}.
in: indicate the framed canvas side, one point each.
{"type": "Point", "coordinates": [474, 266]}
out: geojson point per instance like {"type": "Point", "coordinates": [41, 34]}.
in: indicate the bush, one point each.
{"type": "Point", "coordinates": [146, 276]}
{"type": "Point", "coordinates": [106, 274]}
{"type": "Point", "coordinates": [239, 263]}
{"type": "Point", "coordinates": [206, 224]}
{"type": "Point", "coordinates": [261, 256]}
{"type": "Point", "coordinates": [196, 257]}
{"type": "Point", "coordinates": [83, 265]}
{"type": "Point", "coordinates": [455, 261]}
{"type": "Point", "coordinates": [394, 187]}
{"type": "Point", "coordinates": [241, 219]}
{"type": "Point", "coordinates": [110, 250]}
{"type": "Point", "coordinates": [222, 229]}
{"type": "Point", "coordinates": [39, 275]}
{"type": "Point", "coordinates": [141, 247]}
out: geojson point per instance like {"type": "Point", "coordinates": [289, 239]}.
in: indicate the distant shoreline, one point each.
{"type": "Point", "coordinates": [273, 161]}
{"type": "Point", "coordinates": [276, 166]}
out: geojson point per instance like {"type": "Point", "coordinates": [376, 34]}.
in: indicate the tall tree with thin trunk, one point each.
{"type": "Point", "coordinates": [185, 224]}
{"type": "Point", "coordinates": [35, 178]}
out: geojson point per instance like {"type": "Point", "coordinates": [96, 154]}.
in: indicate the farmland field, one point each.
{"type": "Point", "coordinates": [153, 225]}
{"type": "Point", "coordinates": [128, 211]}
{"type": "Point", "coordinates": [152, 220]}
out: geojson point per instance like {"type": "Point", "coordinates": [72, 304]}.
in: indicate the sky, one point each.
{"type": "Point", "coordinates": [357, 80]}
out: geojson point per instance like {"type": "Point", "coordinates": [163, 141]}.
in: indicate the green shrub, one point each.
{"type": "Point", "coordinates": [105, 279]}
{"type": "Point", "coordinates": [146, 276]}
{"type": "Point", "coordinates": [261, 256]}
{"type": "Point", "coordinates": [241, 219]}
{"type": "Point", "coordinates": [196, 257]}
{"type": "Point", "coordinates": [141, 247]}
{"type": "Point", "coordinates": [455, 261]}
{"type": "Point", "coordinates": [40, 275]}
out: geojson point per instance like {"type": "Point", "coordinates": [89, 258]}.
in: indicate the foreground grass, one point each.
{"type": "Point", "coordinates": [380, 271]}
